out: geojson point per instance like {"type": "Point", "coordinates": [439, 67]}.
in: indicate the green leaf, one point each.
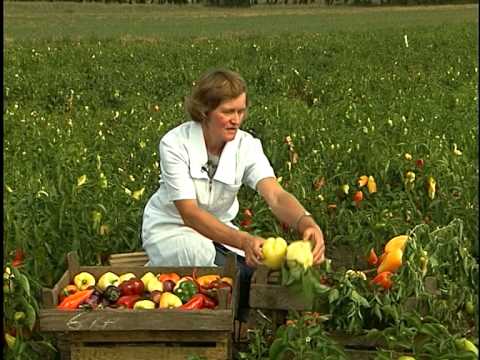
{"type": "Point", "coordinates": [307, 286]}
{"type": "Point", "coordinates": [285, 274]}
{"type": "Point", "coordinates": [377, 312]}
{"type": "Point", "coordinates": [318, 287]}
{"type": "Point", "coordinates": [277, 349]}
{"type": "Point", "coordinates": [296, 272]}
{"type": "Point", "coordinates": [31, 316]}
{"type": "Point", "coordinates": [333, 295]}
{"type": "Point", "coordinates": [359, 299]}
{"type": "Point", "coordinates": [313, 331]}
{"type": "Point", "coordinates": [433, 330]}
{"type": "Point", "coordinates": [22, 280]}
{"type": "Point", "coordinates": [47, 344]}
{"type": "Point", "coordinates": [281, 330]}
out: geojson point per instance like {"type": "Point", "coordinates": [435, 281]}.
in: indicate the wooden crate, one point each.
{"type": "Point", "coordinates": [110, 334]}
{"type": "Point", "coordinates": [266, 292]}
{"type": "Point", "coordinates": [139, 258]}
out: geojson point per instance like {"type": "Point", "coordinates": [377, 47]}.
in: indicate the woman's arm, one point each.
{"type": "Point", "coordinates": [209, 226]}
{"type": "Point", "coordinates": [288, 209]}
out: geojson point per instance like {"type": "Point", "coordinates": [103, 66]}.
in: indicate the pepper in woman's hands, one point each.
{"type": "Point", "coordinates": [252, 245]}
{"type": "Point", "coordinates": [315, 236]}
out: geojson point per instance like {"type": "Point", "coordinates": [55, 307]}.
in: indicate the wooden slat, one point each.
{"type": "Point", "coordinates": [129, 255]}
{"type": "Point", "coordinates": [125, 336]}
{"type": "Point", "coordinates": [50, 296]}
{"type": "Point", "coordinates": [344, 257]}
{"type": "Point", "coordinates": [230, 266]}
{"type": "Point", "coordinates": [275, 297]}
{"type": "Point", "coordinates": [361, 354]}
{"type": "Point", "coordinates": [260, 275]}
{"type": "Point", "coordinates": [139, 258]}
{"type": "Point", "coordinates": [129, 262]}
{"type": "Point", "coordinates": [120, 319]}
{"type": "Point", "coordinates": [224, 298]}
{"type": "Point", "coordinates": [49, 299]}
{"type": "Point", "coordinates": [361, 342]}
{"type": "Point", "coordinates": [147, 352]}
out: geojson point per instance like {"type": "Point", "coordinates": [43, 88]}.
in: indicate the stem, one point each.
{"type": "Point", "coordinates": [368, 271]}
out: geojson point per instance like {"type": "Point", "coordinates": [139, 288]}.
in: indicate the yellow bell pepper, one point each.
{"type": "Point", "coordinates": [84, 280]}
{"type": "Point", "coordinates": [274, 251]}
{"type": "Point", "coordinates": [299, 253]}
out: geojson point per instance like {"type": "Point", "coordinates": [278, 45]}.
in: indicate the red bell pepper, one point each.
{"type": "Point", "coordinates": [132, 287]}
{"type": "Point", "coordinates": [383, 279]}
{"type": "Point", "coordinates": [19, 256]}
{"type": "Point", "coordinates": [72, 302]}
{"type": "Point", "coordinates": [128, 301]}
{"type": "Point", "coordinates": [357, 197]}
{"type": "Point", "coordinates": [208, 302]}
{"type": "Point", "coordinates": [196, 302]}
{"type": "Point", "coordinates": [372, 258]}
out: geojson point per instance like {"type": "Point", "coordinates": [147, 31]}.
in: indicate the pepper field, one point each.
{"type": "Point", "coordinates": [396, 100]}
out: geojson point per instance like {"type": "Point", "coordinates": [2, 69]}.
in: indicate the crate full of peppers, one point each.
{"type": "Point", "coordinates": [118, 298]}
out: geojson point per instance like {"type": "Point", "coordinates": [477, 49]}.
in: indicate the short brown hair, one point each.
{"type": "Point", "coordinates": [213, 87]}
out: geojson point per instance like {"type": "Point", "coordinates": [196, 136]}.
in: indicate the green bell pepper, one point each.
{"type": "Point", "coordinates": [112, 293]}
{"type": "Point", "coordinates": [185, 290]}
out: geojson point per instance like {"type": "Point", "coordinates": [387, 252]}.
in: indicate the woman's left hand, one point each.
{"type": "Point", "coordinates": [315, 236]}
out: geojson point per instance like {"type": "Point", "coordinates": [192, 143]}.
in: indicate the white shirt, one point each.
{"type": "Point", "coordinates": [183, 159]}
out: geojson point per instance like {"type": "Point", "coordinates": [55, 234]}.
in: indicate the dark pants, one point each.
{"type": "Point", "coordinates": [245, 277]}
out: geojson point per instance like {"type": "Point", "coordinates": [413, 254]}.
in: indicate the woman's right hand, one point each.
{"type": "Point", "coordinates": [252, 245]}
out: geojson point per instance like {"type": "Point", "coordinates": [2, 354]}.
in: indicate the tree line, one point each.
{"type": "Point", "coordinates": [247, 3]}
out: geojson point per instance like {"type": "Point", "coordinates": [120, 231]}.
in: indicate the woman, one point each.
{"type": "Point", "coordinates": [187, 222]}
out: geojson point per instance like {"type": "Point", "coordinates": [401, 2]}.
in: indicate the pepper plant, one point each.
{"type": "Point", "coordinates": [20, 309]}
{"type": "Point", "coordinates": [305, 338]}
{"type": "Point", "coordinates": [355, 305]}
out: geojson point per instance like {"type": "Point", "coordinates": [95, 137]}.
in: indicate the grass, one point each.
{"type": "Point", "coordinates": [57, 20]}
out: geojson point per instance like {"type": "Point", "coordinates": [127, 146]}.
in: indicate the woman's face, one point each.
{"type": "Point", "coordinates": [224, 121]}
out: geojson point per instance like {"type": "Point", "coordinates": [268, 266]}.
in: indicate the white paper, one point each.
{"type": "Point", "coordinates": [235, 250]}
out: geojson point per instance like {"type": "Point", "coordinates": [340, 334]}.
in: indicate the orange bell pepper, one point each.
{"type": "Point", "coordinates": [169, 276]}
{"type": "Point", "coordinates": [72, 302]}
{"type": "Point", "coordinates": [205, 280]}
{"type": "Point", "coordinates": [227, 280]}
{"type": "Point", "coordinates": [67, 291]}
{"type": "Point", "coordinates": [391, 262]}
{"type": "Point", "coordinates": [362, 181]}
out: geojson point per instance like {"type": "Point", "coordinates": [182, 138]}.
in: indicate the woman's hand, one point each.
{"type": "Point", "coordinates": [315, 236]}
{"type": "Point", "coordinates": [252, 245]}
